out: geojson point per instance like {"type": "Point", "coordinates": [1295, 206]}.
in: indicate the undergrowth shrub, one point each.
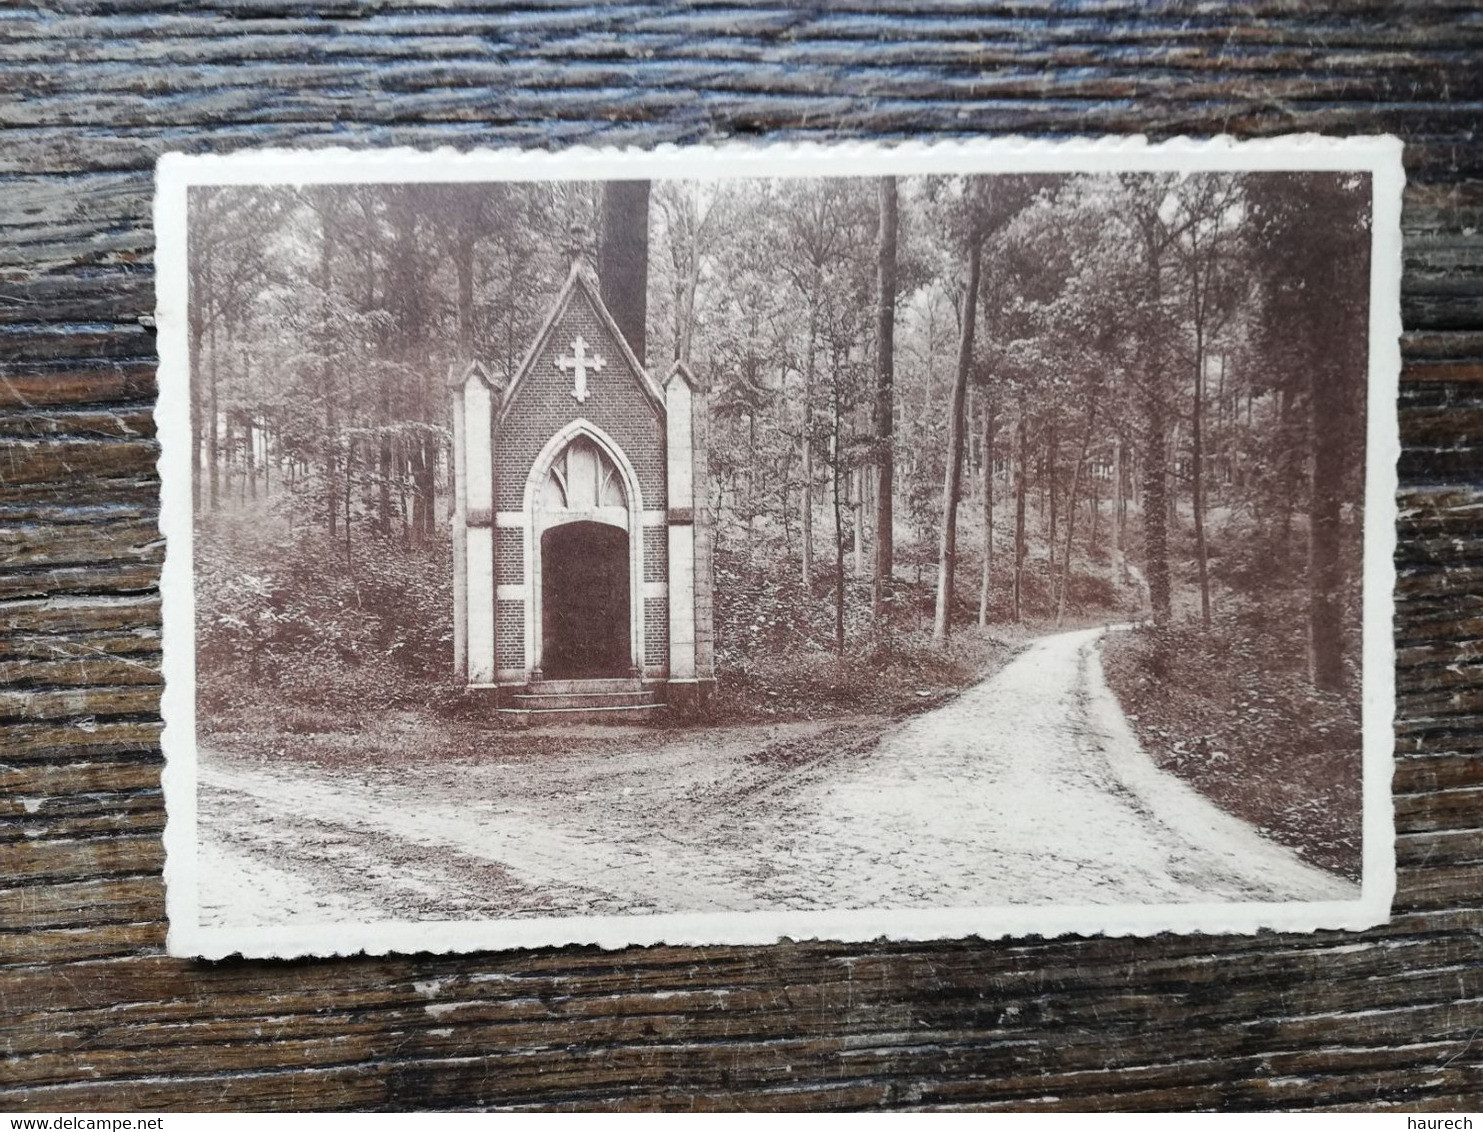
{"type": "Point", "coordinates": [286, 624]}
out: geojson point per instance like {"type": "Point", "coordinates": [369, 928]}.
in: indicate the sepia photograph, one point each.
{"type": "Point", "coordinates": [725, 545]}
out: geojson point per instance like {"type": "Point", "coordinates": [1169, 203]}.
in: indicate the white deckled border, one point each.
{"type": "Point", "coordinates": [1378, 156]}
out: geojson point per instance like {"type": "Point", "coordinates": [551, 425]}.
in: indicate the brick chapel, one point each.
{"type": "Point", "coordinates": [581, 529]}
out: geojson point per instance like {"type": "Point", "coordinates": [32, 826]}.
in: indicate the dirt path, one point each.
{"type": "Point", "coordinates": [1030, 788]}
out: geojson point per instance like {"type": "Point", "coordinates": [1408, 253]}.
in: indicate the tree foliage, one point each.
{"type": "Point", "coordinates": [1159, 407]}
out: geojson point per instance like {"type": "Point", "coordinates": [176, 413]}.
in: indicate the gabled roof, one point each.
{"type": "Point", "coordinates": [685, 373]}
{"type": "Point", "coordinates": [459, 376]}
{"type": "Point", "coordinates": [579, 279]}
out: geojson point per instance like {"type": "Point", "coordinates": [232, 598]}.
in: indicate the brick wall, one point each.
{"type": "Point", "coordinates": [656, 554]}
{"type": "Point", "coordinates": [542, 404]}
{"type": "Point", "coordinates": [509, 634]}
{"type": "Point", "coordinates": [509, 555]}
{"type": "Point", "coordinates": [656, 631]}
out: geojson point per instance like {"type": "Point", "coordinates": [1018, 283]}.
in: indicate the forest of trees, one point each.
{"type": "Point", "coordinates": [937, 402]}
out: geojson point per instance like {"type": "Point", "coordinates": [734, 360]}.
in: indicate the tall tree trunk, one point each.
{"type": "Point", "coordinates": [405, 485]}
{"type": "Point", "coordinates": [228, 438]}
{"type": "Point", "coordinates": [1325, 569]}
{"type": "Point", "coordinates": [1155, 464]}
{"type": "Point", "coordinates": [986, 582]}
{"type": "Point", "coordinates": [806, 509]}
{"type": "Point", "coordinates": [685, 255]}
{"type": "Point", "coordinates": [751, 471]}
{"type": "Point", "coordinates": [1021, 444]}
{"type": "Point", "coordinates": [244, 442]}
{"type": "Point", "coordinates": [331, 466]}
{"type": "Point", "coordinates": [416, 455]}
{"type": "Point", "coordinates": [623, 258]}
{"type": "Point", "coordinates": [1197, 486]}
{"type": "Point", "coordinates": [198, 413]}
{"type": "Point", "coordinates": [1094, 535]}
{"type": "Point", "coordinates": [1156, 511]}
{"type": "Point", "coordinates": [885, 396]}
{"type": "Point", "coordinates": [349, 463]}
{"type": "Point", "coordinates": [948, 557]}
{"type": "Point", "coordinates": [463, 264]}
{"type": "Point", "coordinates": [857, 519]}
{"type": "Point", "coordinates": [213, 433]}
{"type": "Point", "coordinates": [1288, 473]}
{"type": "Point", "coordinates": [326, 378]}
{"type": "Point", "coordinates": [1094, 395]}
{"type": "Point", "coordinates": [838, 530]}
{"type": "Point", "coordinates": [249, 430]}
{"type": "Point", "coordinates": [383, 470]}
{"type": "Point", "coordinates": [785, 495]}
{"type": "Point", "coordinates": [1119, 513]}
{"type": "Point", "coordinates": [1052, 451]}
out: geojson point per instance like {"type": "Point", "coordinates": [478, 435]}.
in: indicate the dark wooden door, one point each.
{"type": "Point", "coordinates": [584, 599]}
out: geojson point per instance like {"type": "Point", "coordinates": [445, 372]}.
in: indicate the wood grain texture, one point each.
{"type": "Point", "coordinates": [94, 1016]}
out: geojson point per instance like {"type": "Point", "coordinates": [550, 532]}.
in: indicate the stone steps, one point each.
{"type": "Point", "coordinates": [541, 701]}
{"type": "Point", "coordinates": [563, 687]}
{"type": "Point", "coordinates": [582, 701]}
{"type": "Point", "coordinates": [631, 714]}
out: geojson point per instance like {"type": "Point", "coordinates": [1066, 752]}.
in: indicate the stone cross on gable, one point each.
{"type": "Point", "coordinates": [579, 363]}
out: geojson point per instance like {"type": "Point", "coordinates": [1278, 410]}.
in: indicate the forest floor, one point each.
{"type": "Point", "coordinates": [1233, 714]}
{"type": "Point", "coordinates": [1028, 788]}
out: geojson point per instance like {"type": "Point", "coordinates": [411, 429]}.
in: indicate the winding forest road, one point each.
{"type": "Point", "coordinates": [1029, 788]}
{"type": "Point", "coordinates": [1032, 788]}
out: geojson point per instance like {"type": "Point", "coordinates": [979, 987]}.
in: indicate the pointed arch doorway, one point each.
{"type": "Point", "coordinates": [585, 548]}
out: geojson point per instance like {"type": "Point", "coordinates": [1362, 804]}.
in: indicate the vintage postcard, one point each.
{"type": "Point", "coordinates": [721, 545]}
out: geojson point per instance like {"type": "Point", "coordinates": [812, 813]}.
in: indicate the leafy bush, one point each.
{"type": "Point", "coordinates": [282, 619]}
{"type": "Point", "coordinates": [1230, 710]}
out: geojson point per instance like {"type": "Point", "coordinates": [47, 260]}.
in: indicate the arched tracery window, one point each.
{"type": "Point", "coordinates": [582, 478]}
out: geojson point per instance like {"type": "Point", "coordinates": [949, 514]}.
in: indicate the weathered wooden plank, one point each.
{"type": "Point", "coordinates": [83, 740]}
{"type": "Point", "coordinates": [350, 1088]}
{"type": "Point", "coordinates": [99, 579]}
{"type": "Point", "coordinates": [81, 614]}
{"type": "Point", "coordinates": [22, 342]}
{"type": "Point", "coordinates": [1439, 808]}
{"type": "Point", "coordinates": [76, 385]}
{"type": "Point", "coordinates": [1458, 672]}
{"type": "Point", "coordinates": [79, 671]}
{"type": "Point", "coordinates": [65, 149]}
{"type": "Point", "coordinates": [1420, 888]}
{"type": "Point", "coordinates": [1208, 41]}
{"type": "Point", "coordinates": [634, 1020]}
{"type": "Point", "coordinates": [82, 903]}
{"type": "Point", "coordinates": [76, 462]}
{"type": "Point", "coordinates": [141, 647]}
{"type": "Point", "coordinates": [124, 818]}
{"type": "Point", "coordinates": [18, 807]}
{"type": "Point", "coordinates": [1433, 345]}
{"type": "Point", "coordinates": [69, 778]}
{"type": "Point", "coordinates": [69, 703]}
{"type": "Point", "coordinates": [34, 546]}
{"type": "Point", "coordinates": [1441, 847]}
{"type": "Point", "coordinates": [73, 296]}
{"type": "Point", "coordinates": [61, 945]}
{"type": "Point", "coordinates": [81, 858]}
{"type": "Point", "coordinates": [999, 1027]}
{"type": "Point", "coordinates": [969, 972]}
{"type": "Point", "coordinates": [86, 424]}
